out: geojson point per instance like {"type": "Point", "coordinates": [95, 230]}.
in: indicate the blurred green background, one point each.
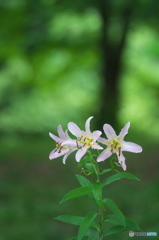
{"type": "Point", "coordinates": [64, 61]}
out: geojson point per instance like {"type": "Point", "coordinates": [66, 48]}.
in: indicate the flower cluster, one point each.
{"type": "Point", "coordinates": [64, 145]}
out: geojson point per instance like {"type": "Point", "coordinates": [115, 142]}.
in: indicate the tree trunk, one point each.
{"type": "Point", "coordinates": [111, 55]}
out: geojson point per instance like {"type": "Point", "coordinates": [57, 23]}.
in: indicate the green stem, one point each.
{"type": "Point", "coordinates": [97, 171]}
{"type": "Point", "coordinates": [95, 166]}
{"type": "Point", "coordinates": [100, 220]}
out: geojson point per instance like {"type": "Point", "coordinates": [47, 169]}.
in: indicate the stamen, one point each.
{"type": "Point", "coordinates": [77, 144]}
{"type": "Point", "coordinates": [119, 151]}
{"type": "Point", "coordinates": [58, 144]}
{"type": "Point", "coordinates": [111, 149]}
{"type": "Point", "coordinates": [115, 144]}
{"type": "Point", "coordinates": [56, 149]}
{"type": "Point", "coordinates": [60, 149]}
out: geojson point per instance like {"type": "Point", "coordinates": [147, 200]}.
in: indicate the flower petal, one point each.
{"type": "Point", "coordinates": [96, 146]}
{"type": "Point", "coordinates": [96, 135]}
{"type": "Point", "coordinates": [69, 142]}
{"type": "Point", "coordinates": [131, 147]}
{"type": "Point", "coordinates": [121, 160]}
{"type": "Point", "coordinates": [55, 138]}
{"type": "Point", "coordinates": [56, 154]}
{"type": "Point", "coordinates": [87, 125]}
{"type": "Point", "coordinates": [104, 155]}
{"type": "Point", "coordinates": [66, 132]}
{"type": "Point", "coordinates": [124, 131]}
{"type": "Point", "coordinates": [102, 140]}
{"type": "Point", "coordinates": [80, 153]}
{"type": "Point", "coordinates": [66, 156]}
{"type": "Point", "coordinates": [109, 131]}
{"type": "Point", "coordinates": [61, 133]}
{"type": "Point", "coordinates": [74, 129]}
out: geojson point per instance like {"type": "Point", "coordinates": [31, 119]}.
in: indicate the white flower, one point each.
{"type": "Point", "coordinates": [85, 139]}
{"type": "Point", "coordinates": [62, 149]}
{"type": "Point", "coordinates": [116, 144]}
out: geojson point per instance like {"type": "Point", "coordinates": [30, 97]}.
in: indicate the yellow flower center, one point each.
{"type": "Point", "coordinates": [85, 141]}
{"type": "Point", "coordinates": [60, 148]}
{"type": "Point", "coordinates": [115, 145]}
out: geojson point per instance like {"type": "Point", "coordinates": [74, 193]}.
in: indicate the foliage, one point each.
{"type": "Point", "coordinates": [29, 196]}
{"type": "Point", "coordinates": [82, 143]}
{"type": "Point", "coordinates": [50, 71]}
{"type": "Point", "coordinates": [90, 221]}
{"type": "Point", "coordinates": [48, 49]}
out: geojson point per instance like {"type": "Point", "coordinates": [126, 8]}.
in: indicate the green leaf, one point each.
{"type": "Point", "coordinates": [97, 192]}
{"type": "Point", "coordinates": [112, 218]}
{"type": "Point", "coordinates": [132, 224]}
{"type": "Point", "coordinates": [78, 192]}
{"type": "Point", "coordinates": [83, 161]}
{"type": "Point", "coordinates": [83, 181]}
{"type": "Point", "coordinates": [84, 238]}
{"type": "Point", "coordinates": [109, 170]}
{"type": "Point", "coordinates": [86, 172]}
{"type": "Point", "coordinates": [85, 225]}
{"type": "Point", "coordinates": [106, 170]}
{"type": "Point", "coordinates": [114, 230]}
{"type": "Point", "coordinates": [93, 235]}
{"type": "Point", "coordinates": [113, 207]}
{"type": "Point", "coordinates": [75, 220]}
{"type": "Point", "coordinates": [117, 177]}
{"type": "Point", "coordinates": [89, 166]}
